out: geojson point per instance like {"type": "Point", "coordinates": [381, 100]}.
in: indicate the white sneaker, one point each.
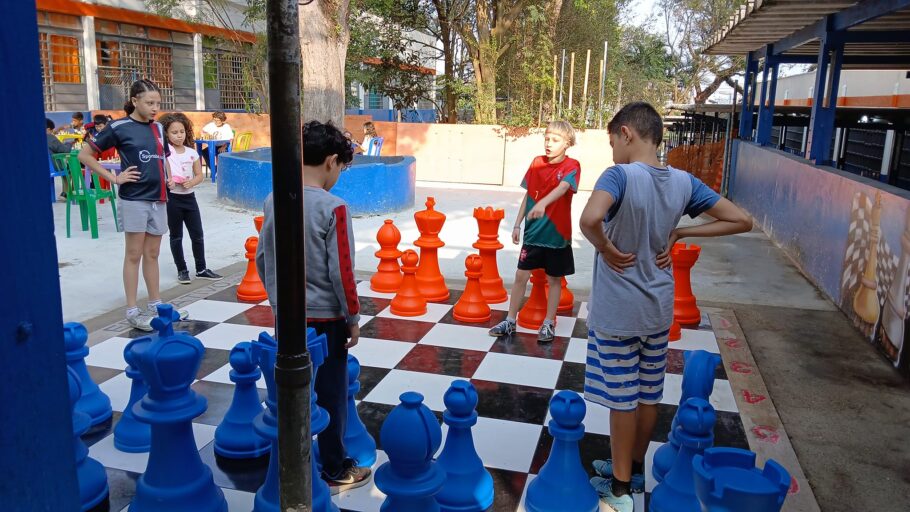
{"type": "Point", "coordinates": [153, 312]}
{"type": "Point", "coordinates": [141, 322]}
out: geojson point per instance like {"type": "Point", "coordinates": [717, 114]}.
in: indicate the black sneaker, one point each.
{"type": "Point", "coordinates": [183, 277]}
{"type": "Point", "coordinates": [208, 274]}
{"type": "Point", "coordinates": [351, 477]}
{"type": "Point", "coordinates": [546, 333]}
{"type": "Point", "coordinates": [504, 328]}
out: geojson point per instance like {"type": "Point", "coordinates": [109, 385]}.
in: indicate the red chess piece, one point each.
{"type": "Point", "coordinates": [675, 331]}
{"type": "Point", "coordinates": [387, 278]}
{"type": "Point", "coordinates": [685, 310]}
{"type": "Point", "coordinates": [251, 289]}
{"type": "Point", "coordinates": [429, 279]}
{"type": "Point", "coordinates": [257, 221]}
{"type": "Point", "coordinates": [472, 307]}
{"type": "Point", "coordinates": [488, 221]}
{"type": "Point", "coordinates": [566, 298]}
{"type": "Point", "coordinates": [408, 301]}
{"type": "Point", "coordinates": [534, 311]}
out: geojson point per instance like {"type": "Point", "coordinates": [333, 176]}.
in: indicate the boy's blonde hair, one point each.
{"type": "Point", "coordinates": [564, 129]}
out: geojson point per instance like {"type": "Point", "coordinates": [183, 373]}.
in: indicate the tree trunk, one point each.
{"type": "Point", "coordinates": [446, 32]}
{"type": "Point", "coordinates": [324, 37]}
{"type": "Point", "coordinates": [485, 78]}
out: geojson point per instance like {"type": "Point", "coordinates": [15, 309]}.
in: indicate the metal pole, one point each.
{"type": "Point", "coordinates": [562, 78]}
{"type": "Point", "coordinates": [728, 147]}
{"type": "Point", "coordinates": [553, 101]}
{"type": "Point", "coordinates": [603, 81]}
{"type": "Point", "coordinates": [584, 96]}
{"type": "Point", "coordinates": [571, 78]}
{"type": "Point", "coordinates": [293, 369]}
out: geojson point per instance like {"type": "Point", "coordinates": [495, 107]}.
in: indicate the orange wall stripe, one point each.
{"type": "Point", "coordinates": [104, 12]}
{"type": "Point", "coordinates": [882, 101]}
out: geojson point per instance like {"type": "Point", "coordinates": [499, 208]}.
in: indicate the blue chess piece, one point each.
{"type": "Point", "coordinates": [235, 437]}
{"type": "Point", "coordinates": [563, 483]}
{"type": "Point", "coordinates": [410, 436]}
{"type": "Point", "coordinates": [469, 486]}
{"type": "Point", "coordinates": [265, 351]}
{"type": "Point", "coordinates": [90, 473]}
{"type": "Point", "coordinates": [175, 478]}
{"type": "Point", "coordinates": [695, 433]}
{"type": "Point", "coordinates": [93, 401]}
{"type": "Point", "coordinates": [698, 382]}
{"type": "Point", "coordinates": [358, 443]}
{"type": "Point", "coordinates": [130, 434]}
{"type": "Point", "coordinates": [726, 480]}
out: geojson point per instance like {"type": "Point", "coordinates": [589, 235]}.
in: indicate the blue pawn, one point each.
{"type": "Point", "coordinates": [698, 382]}
{"type": "Point", "coordinates": [90, 473]}
{"type": "Point", "coordinates": [469, 486]}
{"type": "Point", "coordinates": [235, 437]}
{"type": "Point", "coordinates": [562, 483]}
{"type": "Point", "coordinates": [131, 435]}
{"type": "Point", "coordinates": [358, 443]}
{"type": "Point", "coordinates": [676, 493]}
{"type": "Point", "coordinates": [410, 436]}
{"type": "Point", "coordinates": [93, 401]}
{"type": "Point", "coordinates": [265, 351]}
{"type": "Point", "coordinates": [175, 479]}
{"type": "Point", "coordinates": [726, 480]}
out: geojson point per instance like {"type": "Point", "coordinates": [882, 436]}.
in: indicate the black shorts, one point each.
{"type": "Point", "coordinates": [555, 262]}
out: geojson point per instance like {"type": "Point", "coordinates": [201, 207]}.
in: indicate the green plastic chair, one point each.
{"type": "Point", "coordinates": [86, 198]}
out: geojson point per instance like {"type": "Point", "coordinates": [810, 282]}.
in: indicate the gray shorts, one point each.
{"type": "Point", "coordinates": [142, 216]}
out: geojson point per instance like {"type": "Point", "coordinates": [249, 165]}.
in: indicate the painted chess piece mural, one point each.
{"type": "Point", "coordinates": [875, 282]}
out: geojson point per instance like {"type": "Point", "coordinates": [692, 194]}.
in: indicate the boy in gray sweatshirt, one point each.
{"type": "Point", "coordinates": [332, 306]}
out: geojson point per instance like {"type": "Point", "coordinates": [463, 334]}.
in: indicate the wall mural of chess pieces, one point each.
{"type": "Point", "coordinates": [875, 282]}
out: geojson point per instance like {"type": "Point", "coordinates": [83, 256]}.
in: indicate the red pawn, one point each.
{"type": "Point", "coordinates": [387, 278]}
{"type": "Point", "coordinates": [566, 298]}
{"type": "Point", "coordinates": [408, 301]}
{"type": "Point", "coordinates": [534, 311]}
{"type": "Point", "coordinates": [472, 307]}
{"type": "Point", "coordinates": [251, 288]}
{"type": "Point", "coordinates": [675, 331]}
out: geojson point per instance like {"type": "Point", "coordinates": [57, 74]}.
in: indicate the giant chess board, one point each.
{"type": "Point", "coordinates": [514, 377]}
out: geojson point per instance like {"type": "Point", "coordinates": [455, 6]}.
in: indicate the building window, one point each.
{"type": "Point", "coordinates": [61, 63]}
{"type": "Point", "coordinates": [120, 63]}
{"type": "Point", "coordinates": [373, 100]}
{"type": "Point", "coordinates": [224, 83]}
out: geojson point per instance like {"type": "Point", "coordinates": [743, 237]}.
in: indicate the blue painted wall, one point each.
{"type": "Point", "coordinates": [37, 459]}
{"type": "Point", "coordinates": [371, 186]}
{"type": "Point", "coordinates": [808, 211]}
{"type": "Point", "coordinates": [408, 115]}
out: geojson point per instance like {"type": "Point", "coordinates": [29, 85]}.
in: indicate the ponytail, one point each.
{"type": "Point", "coordinates": [137, 89]}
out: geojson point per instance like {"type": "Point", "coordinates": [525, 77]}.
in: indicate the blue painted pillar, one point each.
{"type": "Point", "coordinates": [768, 96]}
{"type": "Point", "coordinates": [824, 102]}
{"type": "Point", "coordinates": [38, 463]}
{"type": "Point", "coordinates": [745, 118]}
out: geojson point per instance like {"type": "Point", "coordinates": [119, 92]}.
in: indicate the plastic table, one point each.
{"type": "Point", "coordinates": [212, 148]}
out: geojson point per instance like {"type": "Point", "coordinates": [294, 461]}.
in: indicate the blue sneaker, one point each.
{"type": "Point", "coordinates": [604, 468]}
{"type": "Point", "coordinates": [605, 490]}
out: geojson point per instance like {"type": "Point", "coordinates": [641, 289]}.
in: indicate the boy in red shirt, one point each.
{"type": "Point", "coordinates": [551, 181]}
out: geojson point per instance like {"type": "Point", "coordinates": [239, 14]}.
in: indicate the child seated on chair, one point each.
{"type": "Point", "coordinates": [217, 129]}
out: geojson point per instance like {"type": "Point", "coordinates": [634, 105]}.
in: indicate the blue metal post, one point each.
{"type": "Point", "coordinates": [38, 461]}
{"type": "Point", "coordinates": [824, 102]}
{"type": "Point", "coordinates": [768, 96]}
{"type": "Point", "coordinates": [745, 119]}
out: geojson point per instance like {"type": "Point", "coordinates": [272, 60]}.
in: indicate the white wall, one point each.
{"type": "Point", "coordinates": [857, 83]}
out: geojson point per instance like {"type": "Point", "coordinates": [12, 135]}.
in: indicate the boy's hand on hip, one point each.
{"type": "Point", "coordinates": [616, 259]}
{"type": "Point", "coordinates": [664, 260]}
{"type": "Point", "coordinates": [537, 212]}
{"type": "Point", "coordinates": [355, 337]}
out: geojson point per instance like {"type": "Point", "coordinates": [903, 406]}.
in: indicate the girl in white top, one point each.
{"type": "Point", "coordinates": [217, 129]}
{"type": "Point", "coordinates": [369, 133]}
{"type": "Point", "coordinates": [182, 208]}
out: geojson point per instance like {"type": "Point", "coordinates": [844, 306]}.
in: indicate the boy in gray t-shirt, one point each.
{"type": "Point", "coordinates": [631, 220]}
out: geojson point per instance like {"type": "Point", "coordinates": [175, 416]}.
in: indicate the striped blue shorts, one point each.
{"type": "Point", "coordinates": [624, 371]}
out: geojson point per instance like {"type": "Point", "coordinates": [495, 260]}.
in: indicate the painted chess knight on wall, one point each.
{"type": "Point", "coordinates": [874, 283]}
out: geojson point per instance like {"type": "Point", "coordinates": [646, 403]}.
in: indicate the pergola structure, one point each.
{"type": "Point", "coordinates": [833, 35]}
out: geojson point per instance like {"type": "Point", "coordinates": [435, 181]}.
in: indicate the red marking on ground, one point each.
{"type": "Point", "coordinates": [740, 367]}
{"type": "Point", "coordinates": [766, 434]}
{"type": "Point", "coordinates": [733, 343]}
{"type": "Point", "coordinates": [752, 398]}
{"type": "Point", "coordinates": [794, 486]}
{"type": "Point", "coordinates": [725, 323]}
